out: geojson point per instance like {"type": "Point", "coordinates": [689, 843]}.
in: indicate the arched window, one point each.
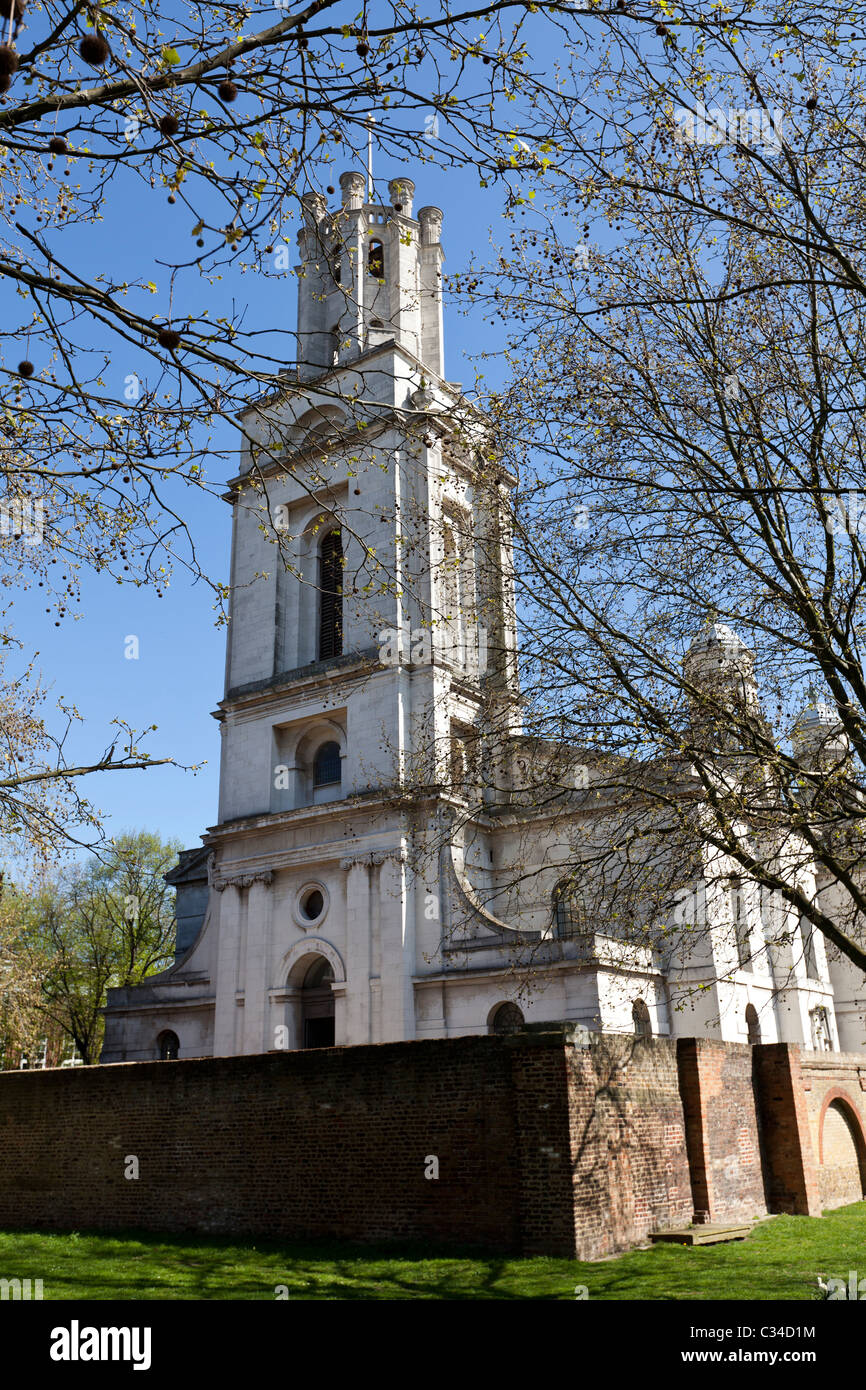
{"type": "Point", "coordinates": [335, 344]}
{"type": "Point", "coordinates": [566, 918]}
{"type": "Point", "coordinates": [169, 1046]}
{"type": "Point", "coordinates": [640, 1017]}
{"type": "Point", "coordinates": [336, 265]}
{"type": "Point", "coordinates": [753, 1026]}
{"type": "Point", "coordinates": [326, 765]}
{"type": "Point", "coordinates": [331, 596]}
{"type": "Point", "coordinates": [449, 576]}
{"type": "Point", "coordinates": [376, 259]}
{"type": "Point", "coordinates": [507, 1018]}
{"type": "Point", "coordinates": [739, 913]}
{"type": "Point", "coordinates": [822, 1037]}
{"type": "Point", "coordinates": [810, 959]}
{"type": "Point", "coordinates": [459, 768]}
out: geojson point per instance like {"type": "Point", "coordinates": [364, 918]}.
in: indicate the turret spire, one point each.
{"type": "Point", "coordinates": [370, 274]}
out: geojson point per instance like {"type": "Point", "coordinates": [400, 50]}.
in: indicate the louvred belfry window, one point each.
{"type": "Point", "coordinates": [331, 596]}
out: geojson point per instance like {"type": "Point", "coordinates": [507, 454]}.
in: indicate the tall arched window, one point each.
{"type": "Point", "coordinates": [753, 1026]}
{"type": "Point", "coordinates": [810, 959]}
{"type": "Point", "coordinates": [376, 259]}
{"type": "Point", "coordinates": [326, 765]}
{"type": "Point", "coordinates": [739, 913]}
{"type": "Point", "coordinates": [449, 575]}
{"type": "Point", "coordinates": [331, 596]}
{"type": "Point", "coordinates": [640, 1017]}
{"type": "Point", "coordinates": [169, 1046]}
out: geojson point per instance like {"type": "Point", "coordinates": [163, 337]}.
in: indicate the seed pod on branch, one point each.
{"type": "Point", "coordinates": [94, 50]}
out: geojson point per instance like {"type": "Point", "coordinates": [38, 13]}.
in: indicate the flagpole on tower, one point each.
{"type": "Point", "coordinates": [371, 121]}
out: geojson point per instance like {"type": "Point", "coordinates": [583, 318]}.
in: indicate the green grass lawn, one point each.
{"type": "Point", "coordinates": [780, 1260]}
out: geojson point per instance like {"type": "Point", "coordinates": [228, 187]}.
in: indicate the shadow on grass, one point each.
{"type": "Point", "coordinates": [780, 1260]}
{"type": "Point", "coordinates": [134, 1264]}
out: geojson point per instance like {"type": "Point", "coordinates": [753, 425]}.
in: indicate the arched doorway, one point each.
{"type": "Point", "coordinates": [317, 1005]}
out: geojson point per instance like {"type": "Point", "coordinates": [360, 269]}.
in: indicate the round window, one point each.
{"type": "Point", "coordinates": [312, 905]}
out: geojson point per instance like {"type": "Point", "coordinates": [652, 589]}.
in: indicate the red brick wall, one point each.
{"type": "Point", "coordinates": [628, 1149]}
{"type": "Point", "coordinates": [542, 1157]}
{"type": "Point", "coordinates": [543, 1147]}
{"type": "Point", "coordinates": [722, 1130]}
{"type": "Point", "coordinates": [789, 1167]}
{"type": "Point", "coordinates": [325, 1143]}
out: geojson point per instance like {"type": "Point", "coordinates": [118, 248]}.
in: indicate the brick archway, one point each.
{"type": "Point", "coordinates": [843, 1102]}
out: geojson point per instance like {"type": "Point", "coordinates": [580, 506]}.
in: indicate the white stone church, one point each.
{"type": "Point", "coordinates": [356, 888]}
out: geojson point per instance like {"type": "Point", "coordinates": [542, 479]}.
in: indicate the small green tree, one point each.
{"type": "Point", "coordinates": [107, 923]}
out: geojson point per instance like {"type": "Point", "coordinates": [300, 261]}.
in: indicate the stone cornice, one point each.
{"type": "Point", "coordinates": [289, 387]}
{"type": "Point", "coordinates": [351, 666]}
{"type": "Point", "coordinates": [337, 811]}
{"type": "Point", "coordinates": [372, 859]}
{"type": "Point", "coordinates": [220, 882]}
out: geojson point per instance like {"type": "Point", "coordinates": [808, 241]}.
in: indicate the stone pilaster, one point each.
{"type": "Point", "coordinates": [228, 949]}
{"type": "Point", "coordinates": [397, 924]}
{"type": "Point", "coordinates": [257, 964]}
{"type": "Point", "coordinates": [358, 947]}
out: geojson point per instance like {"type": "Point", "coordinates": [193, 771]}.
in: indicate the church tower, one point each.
{"type": "Point", "coordinates": [371, 640]}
